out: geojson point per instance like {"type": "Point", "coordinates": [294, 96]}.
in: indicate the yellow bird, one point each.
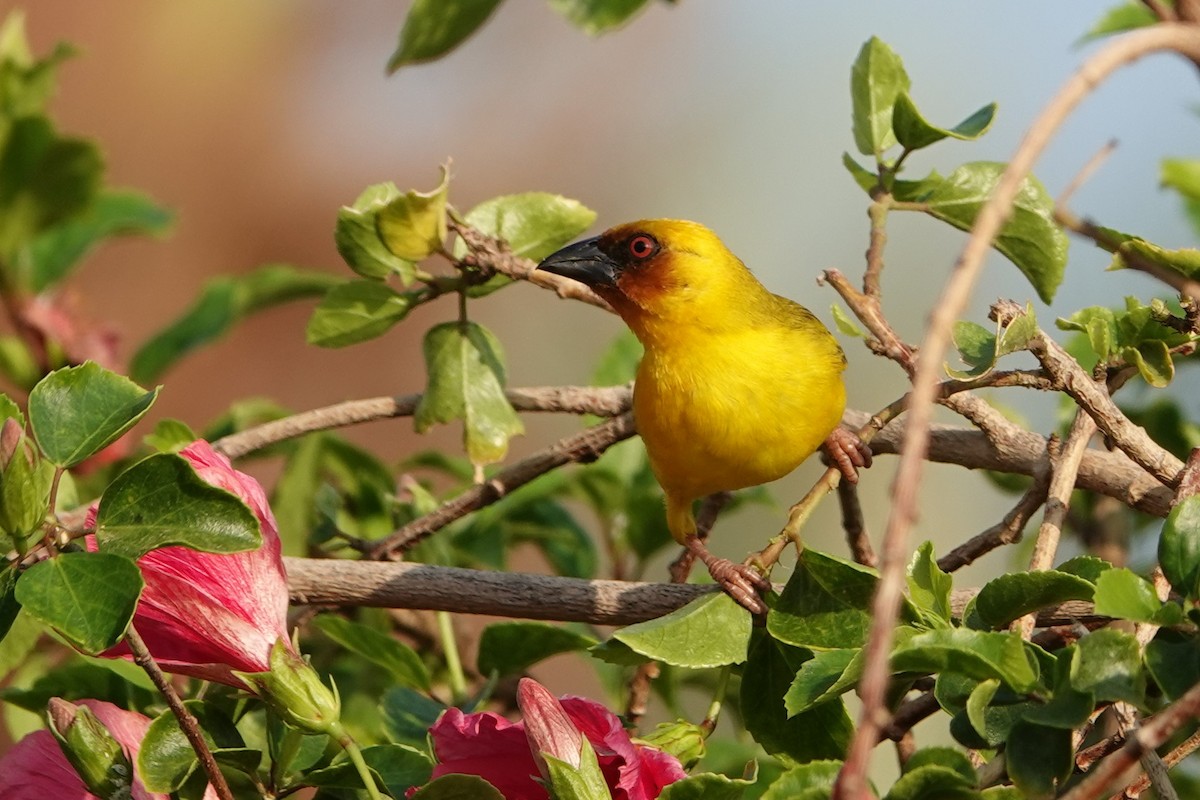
{"type": "Point", "coordinates": [737, 386]}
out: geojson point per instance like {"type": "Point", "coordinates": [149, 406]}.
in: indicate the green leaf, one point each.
{"type": "Point", "coordinates": [114, 213]}
{"type": "Point", "coordinates": [76, 412]}
{"type": "Point", "coordinates": [1184, 261]}
{"type": "Point", "coordinates": [9, 606]}
{"type": "Point", "coordinates": [1040, 759]}
{"type": "Point", "coordinates": [25, 486]}
{"type": "Point", "coordinates": [354, 312]}
{"type": "Point", "coordinates": [977, 654]}
{"type": "Point", "coordinates": [1179, 547]}
{"type": "Point", "coordinates": [401, 661]}
{"type": "Point", "coordinates": [876, 80]}
{"type": "Point", "coordinates": [933, 780]}
{"type": "Point", "coordinates": [1153, 362]}
{"type": "Point", "coordinates": [947, 757]}
{"type": "Point", "coordinates": [223, 302]}
{"type": "Point", "coordinates": [595, 17]}
{"type": "Point", "coordinates": [18, 364]}
{"type": "Point", "coordinates": [825, 605]}
{"type": "Point", "coordinates": [1125, 17]}
{"type": "Point", "coordinates": [977, 703]}
{"type": "Point", "coordinates": [357, 237]}
{"type": "Point", "coordinates": [408, 715]}
{"type": "Point", "coordinates": [1031, 239]}
{"type": "Point", "coordinates": [161, 501]}
{"type": "Point", "coordinates": [169, 436]}
{"type": "Point", "coordinates": [435, 27]}
{"type": "Point", "coordinates": [706, 786]}
{"type": "Point", "coordinates": [465, 365]}
{"type": "Point", "coordinates": [914, 132]}
{"type": "Point", "coordinates": [569, 782]}
{"type": "Point", "coordinates": [1108, 664]}
{"type": "Point", "coordinates": [928, 586]}
{"type": "Point", "coordinates": [976, 348]}
{"type": "Point", "coordinates": [413, 225]}
{"type": "Point", "coordinates": [1173, 661]}
{"type": "Point", "coordinates": [1090, 568]}
{"type": "Point", "coordinates": [457, 787]}
{"type": "Point", "coordinates": [534, 224]}
{"type": "Point", "coordinates": [509, 648]}
{"type": "Point", "coordinates": [89, 598]}
{"type": "Point", "coordinates": [811, 781]}
{"type": "Point", "coordinates": [1070, 707]}
{"type": "Point", "coordinates": [44, 179]}
{"type": "Point", "coordinates": [399, 766]}
{"type": "Point", "coordinates": [28, 82]}
{"type": "Point", "coordinates": [710, 631]}
{"type": "Point", "coordinates": [1007, 597]}
{"type": "Point", "coordinates": [822, 732]}
{"type": "Point", "coordinates": [826, 676]}
{"type": "Point", "coordinates": [166, 759]}
{"type": "Point", "coordinates": [1123, 594]}
{"type": "Point", "coordinates": [845, 323]}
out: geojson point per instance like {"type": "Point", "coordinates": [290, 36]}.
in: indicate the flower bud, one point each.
{"type": "Point", "coordinates": [25, 482]}
{"type": "Point", "coordinates": [294, 690]}
{"type": "Point", "coordinates": [547, 726]}
{"type": "Point", "coordinates": [91, 749]}
{"type": "Point", "coordinates": [682, 739]}
{"type": "Point", "coordinates": [10, 437]}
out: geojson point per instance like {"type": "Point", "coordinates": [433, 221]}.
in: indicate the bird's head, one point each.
{"type": "Point", "coordinates": [661, 269]}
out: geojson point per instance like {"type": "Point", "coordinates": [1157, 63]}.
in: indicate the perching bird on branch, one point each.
{"type": "Point", "coordinates": [737, 385]}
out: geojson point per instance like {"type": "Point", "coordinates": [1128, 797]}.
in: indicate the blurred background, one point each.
{"type": "Point", "coordinates": [254, 120]}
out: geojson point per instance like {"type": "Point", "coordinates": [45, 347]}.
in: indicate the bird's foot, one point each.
{"type": "Point", "coordinates": [740, 581]}
{"type": "Point", "coordinates": [847, 452]}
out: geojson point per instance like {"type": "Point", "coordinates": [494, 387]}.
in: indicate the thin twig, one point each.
{"type": "Point", "coordinates": [1171, 759]}
{"type": "Point", "coordinates": [1007, 531]}
{"type": "Point", "coordinates": [490, 253]}
{"type": "Point", "coordinates": [587, 445]}
{"type": "Point", "coordinates": [852, 783]}
{"type": "Point", "coordinates": [1063, 470]}
{"type": "Point", "coordinates": [604, 401]}
{"type": "Point", "coordinates": [187, 722]}
{"type": "Point", "coordinates": [1092, 398]}
{"type": "Point", "coordinates": [1140, 740]}
{"type": "Point", "coordinates": [854, 524]}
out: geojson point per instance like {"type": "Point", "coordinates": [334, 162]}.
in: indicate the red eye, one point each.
{"type": "Point", "coordinates": [642, 246]}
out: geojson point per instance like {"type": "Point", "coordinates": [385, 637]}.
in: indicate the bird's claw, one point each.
{"type": "Point", "coordinates": [848, 452]}
{"type": "Point", "coordinates": [740, 582]}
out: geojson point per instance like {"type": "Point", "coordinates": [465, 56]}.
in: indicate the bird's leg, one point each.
{"type": "Point", "coordinates": [847, 452]}
{"type": "Point", "coordinates": [741, 582]}
{"type": "Point", "coordinates": [681, 567]}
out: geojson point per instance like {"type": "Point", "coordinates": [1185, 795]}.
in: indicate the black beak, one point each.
{"type": "Point", "coordinates": [584, 262]}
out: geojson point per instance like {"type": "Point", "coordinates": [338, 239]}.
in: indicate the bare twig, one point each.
{"type": "Point", "coordinates": [1064, 468]}
{"type": "Point", "coordinates": [187, 722]}
{"type": "Point", "coordinates": [1130, 438]}
{"type": "Point", "coordinates": [1140, 740]}
{"type": "Point", "coordinates": [854, 524]}
{"type": "Point", "coordinates": [489, 253]}
{"type": "Point", "coordinates": [1171, 759]}
{"type": "Point", "coordinates": [587, 445]}
{"type": "Point", "coordinates": [605, 401]}
{"type": "Point", "coordinates": [851, 783]}
{"type": "Point", "coordinates": [1006, 531]}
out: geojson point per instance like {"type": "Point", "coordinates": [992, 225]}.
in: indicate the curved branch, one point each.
{"type": "Point", "coordinates": [587, 445]}
{"type": "Point", "coordinates": [603, 401]}
{"type": "Point", "coordinates": [851, 783]}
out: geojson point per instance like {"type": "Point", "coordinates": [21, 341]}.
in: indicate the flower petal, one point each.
{"type": "Point", "coordinates": [487, 745]}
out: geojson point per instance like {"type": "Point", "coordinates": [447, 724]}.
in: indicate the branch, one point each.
{"type": "Point", "coordinates": [1140, 741]}
{"type": "Point", "coordinates": [851, 783]}
{"type": "Point", "coordinates": [489, 253]}
{"type": "Point", "coordinates": [522, 595]}
{"type": "Point", "coordinates": [1130, 438]}
{"type": "Point", "coordinates": [587, 445]}
{"type": "Point", "coordinates": [603, 401]}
